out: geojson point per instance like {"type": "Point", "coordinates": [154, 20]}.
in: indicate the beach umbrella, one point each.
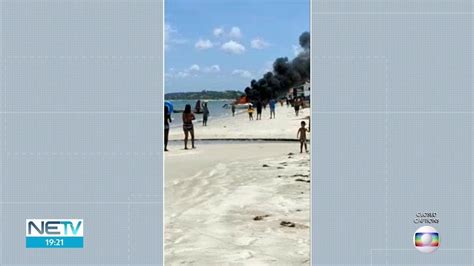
{"type": "Point", "coordinates": [170, 106]}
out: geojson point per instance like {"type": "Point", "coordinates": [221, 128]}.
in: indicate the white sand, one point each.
{"type": "Point", "coordinates": [213, 194]}
{"type": "Point", "coordinates": [285, 125]}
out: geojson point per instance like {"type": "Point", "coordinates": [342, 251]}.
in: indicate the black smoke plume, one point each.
{"type": "Point", "coordinates": [285, 74]}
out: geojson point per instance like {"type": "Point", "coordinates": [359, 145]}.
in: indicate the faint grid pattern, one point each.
{"type": "Point", "coordinates": [388, 146]}
{"type": "Point", "coordinates": [80, 123]}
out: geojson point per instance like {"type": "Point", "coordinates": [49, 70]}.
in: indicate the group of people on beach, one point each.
{"type": "Point", "coordinates": [259, 105]}
{"type": "Point", "coordinates": [297, 104]}
{"type": "Point", "coordinates": [188, 117]}
{"type": "Point", "coordinates": [188, 126]}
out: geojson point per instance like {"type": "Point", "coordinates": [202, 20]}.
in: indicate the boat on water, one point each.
{"type": "Point", "coordinates": [241, 103]}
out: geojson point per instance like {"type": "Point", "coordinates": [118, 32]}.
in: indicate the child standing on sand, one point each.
{"type": "Point", "coordinates": [250, 111]}
{"type": "Point", "coordinates": [302, 136]}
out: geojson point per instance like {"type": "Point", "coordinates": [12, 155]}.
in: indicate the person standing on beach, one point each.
{"type": "Point", "coordinates": [188, 127]}
{"type": "Point", "coordinates": [197, 107]}
{"type": "Point", "coordinates": [272, 104]}
{"type": "Point", "coordinates": [205, 114]}
{"type": "Point", "coordinates": [233, 109]}
{"type": "Point", "coordinates": [259, 110]}
{"type": "Point", "coordinates": [250, 111]}
{"type": "Point", "coordinates": [296, 104]}
{"type": "Point", "coordinates": [301, 135]}
{"type": "Point", "coordinates": [167, 126]}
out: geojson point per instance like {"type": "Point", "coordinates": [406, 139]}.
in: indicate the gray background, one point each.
{"type": "Point", "coordinates": [392, 130]}
{"type": "Point", "coordinates": [81, 122]}
{"type": "Point", "coordinates": [81, 133]}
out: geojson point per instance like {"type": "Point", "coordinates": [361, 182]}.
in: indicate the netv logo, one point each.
{"type": "Point", "coordinates": [55, 227]}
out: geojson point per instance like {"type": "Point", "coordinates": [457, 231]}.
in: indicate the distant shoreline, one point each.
{"type": "Point", "coordinates": [202, 99]}
{"type": "Point", "coordinates": [204, 95]}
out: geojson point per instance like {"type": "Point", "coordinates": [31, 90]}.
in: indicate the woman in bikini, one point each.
{"type": "Point", "coordinates": [188, 127]}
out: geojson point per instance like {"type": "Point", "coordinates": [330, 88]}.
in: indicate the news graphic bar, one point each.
{"type": "Point", "coordinates": [54, 233]}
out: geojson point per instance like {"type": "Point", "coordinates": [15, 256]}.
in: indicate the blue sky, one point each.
{"type": "Point", "coordinates": [223, 44]}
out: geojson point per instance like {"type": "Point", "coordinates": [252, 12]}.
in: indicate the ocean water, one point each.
{"type": "Point", "coordinates": [216, 110]}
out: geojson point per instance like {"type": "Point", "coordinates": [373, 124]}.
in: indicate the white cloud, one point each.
{"type": "Point", "coordinates": [168, 31]}
{"type": "Point", "coordinates": [172, 36]}
{"type": "Point", "coordinates": [194, 68]}
{"type": "Point", "coordinates": [297, 49]}
{"type": "Point", "coordinates": [259, 43]}
{"type": "Point", "coordinates": [182, 74]}
{"type": "Point", "coordinates": [233, 47]}
{"type": "Point", "coordinates": [192, 71]}
{"type": "Point", "coordinates": [203, 44]}
{"type": "Point", "coordinates": [242, 73]}
{"type": "Point", "coordinates": [212, 69]}
{"type": "Point", "coordinates": [235, 33]}
{"type": "Point", "coordinates": [218, 32]}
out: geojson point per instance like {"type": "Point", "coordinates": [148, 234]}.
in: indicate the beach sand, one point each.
{"type": "Point", "coordinates": [225, 202]}
{"type": "Point", "coordinates": [284, 126]}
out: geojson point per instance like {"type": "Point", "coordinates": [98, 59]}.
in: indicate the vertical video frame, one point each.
{"type": "Point", "coordinates": [237, 163]}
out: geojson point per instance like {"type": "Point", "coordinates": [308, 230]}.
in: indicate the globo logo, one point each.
{"type": "Point", "coordinates": [426, 239]}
